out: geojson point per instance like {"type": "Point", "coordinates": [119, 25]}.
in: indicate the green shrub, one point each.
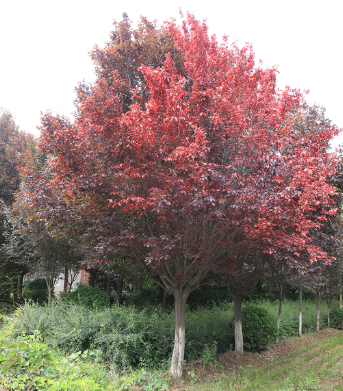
{"type": "Point", "coordinates": [146, 298]}
{"type": "Point", "coordinates": [255, 295]}
{"type": "Point", "coordinates": [336, 318]}
{"type": "Point", "coordinates": [6, 309]}
{"type": "Point", "coordinates": [124, 336]}
{"type": "Point", "coordinates": [5, 288]}
{"type": "Point", "coordinates": [203, 296]}
{"type": "Point", "coordinates": [25, 363]}
{"type": "Point", "coordinates": [36, 291]}
{"type": "Point", "coordinates": [127, 338]}
{"type": "Point", "coordinates": [88, 296]}
{"type": "Point", "coordinates": [259, 327]}
{"type": "Point", "coordinates": [261, 292]}
{"type": "Point", "coordinates": [208, 296]}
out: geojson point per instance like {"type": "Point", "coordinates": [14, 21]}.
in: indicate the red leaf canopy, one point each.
{"type": "Point", "coordinates": [210, 168]}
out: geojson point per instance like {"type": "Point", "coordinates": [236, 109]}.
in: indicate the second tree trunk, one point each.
{"type": "Point", "coordinates": [238, 323]}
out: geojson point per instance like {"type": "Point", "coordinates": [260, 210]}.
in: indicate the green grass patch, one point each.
{"type": "Point", "coordinates": [316, 367]}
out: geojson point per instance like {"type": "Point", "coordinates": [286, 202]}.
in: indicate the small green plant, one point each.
{"type": "Point", "coordinates": [288, 385]}
{"type": "Point", "coordinates": [259, 327]}
{"type": "Point", "coordinates": [193, 375]}
{"type": "Point", "coordinates": [311, 383]}
{"type": "Point", "coordinates": [210, 351]}
{"type": "Point", "coordinates": [148, 381]}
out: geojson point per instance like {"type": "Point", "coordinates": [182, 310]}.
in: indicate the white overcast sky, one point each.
{"type": "Point", "coordinates": [44, 45]}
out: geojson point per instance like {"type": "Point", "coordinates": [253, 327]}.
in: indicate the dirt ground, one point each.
{"type": "Point", "coordinates": [230, 360]}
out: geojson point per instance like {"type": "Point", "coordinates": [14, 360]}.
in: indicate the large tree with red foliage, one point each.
{"type": "Point", "coordinates": [206, 172]}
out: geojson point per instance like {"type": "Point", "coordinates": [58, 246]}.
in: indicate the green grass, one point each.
{"type": "Point", "coordinates": [318, 366]}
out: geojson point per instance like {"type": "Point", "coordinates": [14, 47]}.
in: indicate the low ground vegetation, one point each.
{"type": "Point", "coordinates": [313, 362]}
{"type": "Point", "coordinates": [55, 348]}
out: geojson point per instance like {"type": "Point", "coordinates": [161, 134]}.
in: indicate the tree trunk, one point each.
{"type": "Point", "coordinates": [180, 299]}
{"type": "Point", "coordinates": [65, 285]}
{"type": "Point", "coordinates": [49, 295]}
{"type": "Point", "coordinates": [329, 306]}
{"type": "Point", "coordinates": [340, 293]}
{"type": "Point", "coordinates": [14, 290]}
{"type": "Point", "coordinates": [15, 298]}
{"type": "Point", "coordinates": [301, 312]}
{"type": "Point", "coordinates": [119, 283]}
{"type": "Point", "coordinates": [50, 285]}
{"type": "Point", "coordinates": [237, 300]}
{"type": "Point", "coordinates": [92, 276]}
{"type": "Point", "coordinates": [108, 286]}
{"type": "Point", "coordinates": [280, 308]}
{"type": "Point", "coordinates": [160, 295]}
{"type": "Point", "coordinates": [318, 310]}
{"type": "Point", "coordinates": [20, 284]}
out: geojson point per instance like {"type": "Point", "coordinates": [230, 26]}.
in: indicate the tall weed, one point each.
{"type": "Point", "coordinates": [125, 337]}
{"type": "Point", "coordinates": [128, 338]}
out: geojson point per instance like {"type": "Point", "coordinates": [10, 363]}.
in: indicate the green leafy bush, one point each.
{"type": "Point", "coordinates": [203, 296]}
{"type": "Point", "coordinates": [26, 363]}
{"type": "Point", "coordinates": [208, 296]}
{"type": "Point", "coordinates": [125, 337]}
{"type": "Point", "coordinates": [5, 288]}
{"type": "Point", "coordinates": [36, 291]}
{"type": "Point", "coordinates": [259, 327]}
{"type": "Point", "coordinates": [261, 292]}
{"type": "Point", "coordinates": [145, 298]}
{"type": "Point", "coordinates": [88, 296]}
{"type": "Point", "coordinates": [336, 318]}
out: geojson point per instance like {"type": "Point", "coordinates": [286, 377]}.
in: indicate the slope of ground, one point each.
{"type": "Point", "coordinates": [313, 362]}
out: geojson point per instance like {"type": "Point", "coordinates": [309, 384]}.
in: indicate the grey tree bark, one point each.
{"type": "Point", "coordinates": [50, 282]}
{"type": "Point", "coordinates": [108, 286]}
{"type": "Point", "coordinates": [280, 309]}
{"type": "Point", "coordinates": [180, 299]}
{"type": "Point", "coordinates": [160, 295]}
{"type": "Point", "coordinates": [119, 290]}
{"type": "Point", "coordinates": [318, 311]}
{"type": "Point", "coordinates": [301, 312]}
{"type": "Point", "coordinates": [65, 285]}
{"type": "Point", "coordinates": [238, 323]}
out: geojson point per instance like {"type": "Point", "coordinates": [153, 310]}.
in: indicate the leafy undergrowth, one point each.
{"type": "Point", "coordinates": [69, 348]}
{"type": "Point", "coordinates": [27, 363]}
{"type": "Point", "coordinates": [130, 338]}
{"type": "Point", "coordinates": [313, 362]}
